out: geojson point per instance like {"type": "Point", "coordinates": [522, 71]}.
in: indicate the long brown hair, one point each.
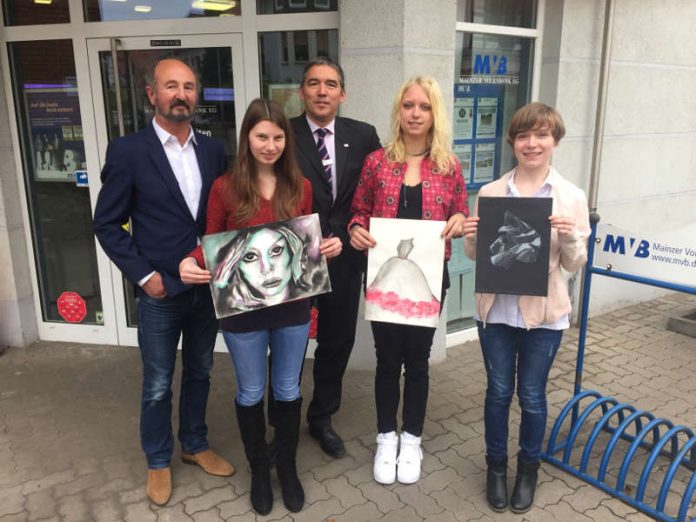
{"type": "Point", "coordinates": [244, 177]}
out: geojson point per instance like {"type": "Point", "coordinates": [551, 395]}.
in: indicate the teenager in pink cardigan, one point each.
{"type": "Point", "coordinates": [520, 335]}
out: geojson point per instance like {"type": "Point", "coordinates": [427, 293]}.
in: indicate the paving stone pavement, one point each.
{"type": "Point", "coordinates": [69, 448]}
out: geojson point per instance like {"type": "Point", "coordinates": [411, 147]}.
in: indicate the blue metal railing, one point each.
{"type": "Point", "coordinates": [639, 428]}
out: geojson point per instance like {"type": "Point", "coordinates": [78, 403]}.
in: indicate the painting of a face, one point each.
{"type": "Point", "coordinates": [265, 265]}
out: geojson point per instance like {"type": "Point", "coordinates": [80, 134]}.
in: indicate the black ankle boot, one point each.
{"type": "Point", "coordinates": [287, 417]}
{"type": "Point", "coordinates": [525, 486]}
{"type": "Point", "coordinates": [496, 484]}
{"type": "Point", "coordinates": [252, 426]}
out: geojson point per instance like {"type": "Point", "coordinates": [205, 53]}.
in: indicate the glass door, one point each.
{"type": "Point", "coordinates": [118, 68]}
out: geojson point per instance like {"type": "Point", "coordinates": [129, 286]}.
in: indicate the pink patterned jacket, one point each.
{"type": "Point", "coordinates": [377, 194]}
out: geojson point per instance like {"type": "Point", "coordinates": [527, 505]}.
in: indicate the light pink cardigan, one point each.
{"type": "Point", "coordinates": [569, 252]}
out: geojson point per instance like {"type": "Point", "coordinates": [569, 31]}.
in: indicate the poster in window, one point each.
{"type": "Point", "coordinates": [287, 95]}
{"type": "Point", "coordinates": [53, 116]}
{"type": "Point", "coordinates": [463, 118]}
{"type": "Point", "coordinates": [484, 160]}
{"type": "Point", "coordinates": [512, 246]}
{"type": "Point", "coordinates": [487, 118]}
{"type": "Point", "coordinates": [463, 153]}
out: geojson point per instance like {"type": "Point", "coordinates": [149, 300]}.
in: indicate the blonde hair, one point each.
{"type": "Point", "coordinates": [440, 135]}
{"type": "Point", "coordinates": [533, 116]}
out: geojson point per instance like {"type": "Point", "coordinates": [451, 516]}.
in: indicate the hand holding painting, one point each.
{"type": "Point", "coordinates": [454, 227]}
{"type": "Point", "coordinates": [360, 238]}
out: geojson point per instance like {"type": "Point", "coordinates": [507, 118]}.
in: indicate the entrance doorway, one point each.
{"type": "Point", "coordinates": [118, 70]}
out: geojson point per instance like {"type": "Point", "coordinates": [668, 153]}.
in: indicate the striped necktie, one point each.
{"type": "Point", "coordinates": [324, 154]}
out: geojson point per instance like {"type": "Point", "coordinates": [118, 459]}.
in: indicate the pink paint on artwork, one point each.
{"type": "Point", "coordinates": [392, 302]}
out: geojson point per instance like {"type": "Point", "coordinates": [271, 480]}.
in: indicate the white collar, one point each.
{"type": "Point", "coordinates": [313, 126]}
{"type": "Point", "coordinates": [550, 179]}
{"type": "Point", "coordinates": [165, 136]}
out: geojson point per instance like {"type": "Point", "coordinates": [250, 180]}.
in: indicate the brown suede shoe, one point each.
{"type": "Point", "coordinates": [210, 461]}
{"type": "Point", "coordinates": [159, 485]}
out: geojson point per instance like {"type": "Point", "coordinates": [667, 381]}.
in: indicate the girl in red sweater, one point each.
{"type": "Point", "coordinates": [265, 186]}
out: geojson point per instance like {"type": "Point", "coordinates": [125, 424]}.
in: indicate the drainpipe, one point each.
{"type": "Point", "coordinates": [601, 105]}
{"type": "Point", "coordinates": [598, 141]}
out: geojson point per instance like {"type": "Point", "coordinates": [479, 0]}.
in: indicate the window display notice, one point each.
{"type": "Point", "coordinates": [463, 118]}
{"type": "Point", "coordinates": [477, 118]}
{"type": "Point", "coordinates": [287, 95]}
{"type": "Point", "coordinates": [57, 149]}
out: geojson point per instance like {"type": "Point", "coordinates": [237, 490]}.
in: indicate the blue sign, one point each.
{"type": "Point", "coordinates": [81, 178]}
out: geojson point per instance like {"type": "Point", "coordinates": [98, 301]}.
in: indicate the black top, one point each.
{"type": "Point", "coordinates": [411, 207]}
{"type": "Point", "coordinates": [285, 314]}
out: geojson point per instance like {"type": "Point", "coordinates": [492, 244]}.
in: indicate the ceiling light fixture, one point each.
{"type": "Point", "coordinates": [43, 2]}
{"type": "Point", "coordinates": [214, 5]}
{"type": "Point", "coordinates": [142, 9]}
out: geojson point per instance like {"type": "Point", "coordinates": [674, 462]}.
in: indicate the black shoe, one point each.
{"type": "Point", "coordinates": [525, 486]}
{"type": "Point", "coordinates": [287, 434]}
{"type": "Point", "coordinates": [252, 427]}
{"type": "Point", "coordinates": [496, 484]}
{"type": "Point", "coordinates": [261, 492]}
{"type": "Point", "coordinates": [330, 442]}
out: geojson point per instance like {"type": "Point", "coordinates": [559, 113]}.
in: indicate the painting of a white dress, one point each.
{"type": "Point", "coordinates": [404, 271]}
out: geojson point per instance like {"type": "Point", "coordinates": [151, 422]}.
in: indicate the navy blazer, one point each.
{"type": "Point", "coordinates": [353, 140]}
{"type": "Point", "coordinates": [138, 184]}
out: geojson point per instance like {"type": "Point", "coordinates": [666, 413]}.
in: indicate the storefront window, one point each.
{"type": "Point", "coordinates": [53, 153]}
{"type": "Point", "coordinates": [493, 79]}
{"type": "Point", "coordinates": [23, 12]}
{"type": "Point", "coordinates": [514, 13]}
{"type": "Point", "coordinates": [294, 6]}
{"type": "Point", "coordinates": [284, 55]}
{"type": "Point", "coordinates": [110, 10]}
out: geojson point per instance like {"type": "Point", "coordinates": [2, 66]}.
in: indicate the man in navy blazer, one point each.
{"type": "Point", "coordinates": [159, 178]}
{"type": "Point", "coordinates": [347, 141]}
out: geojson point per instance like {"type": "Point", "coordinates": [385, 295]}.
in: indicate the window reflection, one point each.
{"type": "Point", "coordinates": [25, 12]}
{"type": "Point", "coordinates": [110, 10]}
{"type": "Point", "coordinates": [514, 13]}
{"type": "Point", "coordinates": [50, 126]}
{"type": "Point", "coordinates": [284, 55]}
{"type": "Point", "coordinates": [294, 6]}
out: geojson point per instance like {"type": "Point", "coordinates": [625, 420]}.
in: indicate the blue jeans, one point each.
{"type": "Point", "coordinates": [249, 354]}
{"type": "Point", "coordinates": [529, 353]}
{"type": "Point", "coordinates": [161, 322]}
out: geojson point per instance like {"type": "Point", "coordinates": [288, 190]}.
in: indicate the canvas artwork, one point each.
{"type": "Point", "coordinates": [512, 248]}
{"type": "Point", "coordinates": [404, 272]}
{"type": "Point", "coordinates": [266, 265]}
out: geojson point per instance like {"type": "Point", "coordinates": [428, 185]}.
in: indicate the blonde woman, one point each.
{"type": "Point", "coordinates": [415, 176]}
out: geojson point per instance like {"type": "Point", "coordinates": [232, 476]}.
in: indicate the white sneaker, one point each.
{"type": "Point", "coordinates": [409, 461]}
{"type": "Point", "coordinates": [384, 469]}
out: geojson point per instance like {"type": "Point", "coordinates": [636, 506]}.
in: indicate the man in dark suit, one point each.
{"type": "Point", "coordinates": [331, 151]}
{"type": "Point", "coordinates": [159, 178]}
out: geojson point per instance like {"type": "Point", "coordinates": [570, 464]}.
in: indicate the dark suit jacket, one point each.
{"type": "Point", "coordinates": [138, 183]}
{"type": "Point", "coordinates": [353, 141]}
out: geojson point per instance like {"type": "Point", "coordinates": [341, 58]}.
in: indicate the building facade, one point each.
{"type": "Point", "coordinates": [73, 79]}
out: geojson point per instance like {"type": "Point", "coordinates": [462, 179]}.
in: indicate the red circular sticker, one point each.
{"type": "Point", "coordinates": [72, 307]}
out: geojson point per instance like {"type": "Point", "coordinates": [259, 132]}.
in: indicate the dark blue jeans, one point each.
{"type": "Point", "coordinates": [161, 323]}
{"type": "Point", "coordinates": [529, 354]}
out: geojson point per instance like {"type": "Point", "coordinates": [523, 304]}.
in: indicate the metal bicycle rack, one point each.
{"type": "Point", "coordinates": [622, 424]}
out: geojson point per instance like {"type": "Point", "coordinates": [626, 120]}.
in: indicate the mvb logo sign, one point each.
{"type": "Point", "coordinates": [617, 245]}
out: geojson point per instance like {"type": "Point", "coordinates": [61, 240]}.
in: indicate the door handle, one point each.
{"type": "Point", "coordinates": [114, 43]}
